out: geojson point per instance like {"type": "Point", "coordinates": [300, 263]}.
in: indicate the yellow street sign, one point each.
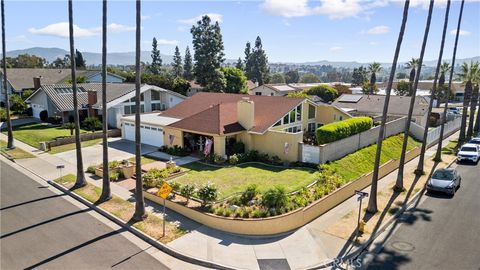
{"type": "Point", "coordinates": [164, 190]}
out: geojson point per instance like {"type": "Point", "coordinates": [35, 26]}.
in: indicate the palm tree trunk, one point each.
{"type": "Point", "coordinates": [413, 92]}
{"type": "Point", "coordinates": [81, 181]}
{"type": "Point", "coordinates": [411, 81]}
{"type": "Point", "coordinates": [10, 144]}
{"type": "Point", "coordinates": [420, 164]}
{"type": "Point", "coordinates": [438, 155]}
{"type": "Point", "coordinates": [466, 101]}
{"type": "Point", "coordinates": [373, 79]}
{"type": "Point", "coordinates": [106, 191]}
{"type": "Point", "coordinates": [476, 129]}
{"type": "Point", "coordinates": [473, 107]}
{"type": "Point", "coordinates": [139, 200]}
{"type": "Point", "coordinates": [372, 201]}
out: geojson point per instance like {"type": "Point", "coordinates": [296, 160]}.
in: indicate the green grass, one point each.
{"type": "Point", "coordinates": [71, 146]}
{"type": "Point", "coordinates": [144, 160]}
{"type": "Point", "coordinates": [356, 164]}
{"type": "Point", "coordinates": [33, 134]}
{"type": "Point", "coordinates": [234, 179]}
{"type": "Point", "coordinates": [450, 148]}
{"type": "Point", "coordinates": [15, 153]}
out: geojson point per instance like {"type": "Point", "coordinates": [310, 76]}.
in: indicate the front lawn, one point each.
{"type": "Point", "coordinates": [71, 146]}
{"type": "Point", "coordinates": [15, 153]}
{"type": "Point", "coordinates": [33, 134]}
{"type": "Point", "coordinates": [230, 180]}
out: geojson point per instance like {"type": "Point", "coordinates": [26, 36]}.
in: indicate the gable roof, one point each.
{"type": "Point", "coordinates": [216, 113]}
{"type": "Point", "coordinates": [373, 104]}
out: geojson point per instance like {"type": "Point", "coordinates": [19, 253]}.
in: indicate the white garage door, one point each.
{"type": "Point", "coordinates": [149, 134]}
{"type": "Point", "coordinates": [36, 109]}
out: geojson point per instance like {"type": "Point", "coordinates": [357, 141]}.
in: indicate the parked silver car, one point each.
{"type": "Point", "coordinates": [445, 181]}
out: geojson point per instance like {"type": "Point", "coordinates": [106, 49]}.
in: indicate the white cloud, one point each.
{"type": "Point", "coordinates": [61, 30]}
{"type": "Point", "coordinates": [145, 17]}
{"type": "Point", "coordinates": [461, 33]}
{"type": "Point", "coordinates": [378, 30]}
{"type": "Point", "coordinates": [334, 9]}
{"type": "Point", "coordinates": [336, 49]}
{"type": "Point", "coordinates": [170, 42]}
{"type": "Point", "coordinates": [425, 3]}
{"type": "Point", "coordinates": [215, 17]}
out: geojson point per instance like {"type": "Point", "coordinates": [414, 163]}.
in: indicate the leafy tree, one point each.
{"type": "Point", "coordinates": [187, 191]}
{"type": "Point", "coordinates": [342, 89]}
{"type": "Point", "coordinates": [156, 64]}
{"type": "Point", "coordinates": [325, 92]}
{"type": "Point", "coordinates": [217, 83]}
{"type": "Point", "coordinates": [177, 63]}
{"type": "Point", "coordinates": [25, 61]}
{"type": "Point", "coordinates": [401, 75]}
{"type": "Point", "coordinates": [373, 69]}
{"type": "Point", "coordinates": [309, 78]}
{"type": "Point", "coordinates": [208, 45]}
{"type": "Point", "coordinates": [80, 63]}
{"type": "Point", "coordinates": [188, 65]}
{"type": "Point", "coordinates": [334, 76]}
{"type": "Point", "coordinates": [180, 85]}
{"type": "Point", "coordinates": [359, 76]}
{"type": "Point", "coordinates": [27, 93]}
{"type": "Point", "coordinates": [79, 79]}
{"type": "Point", "coordinates": [292, 76]}
{"type": "Point", "coordinates": [59, 63]}
{"type": "Point", "coordinates": [367, 88]}
{"type": "Point", "coordinates": [17, 104]}
{"type": "Point", "coordinates": [236, 80]}
{"type": "Point", "coordinates": [259, 61]}
{"type": "Point", "coordinates": [239, 64]}
{"type": "Point", "coordinates": [402, 89]}
{"type": "Point", "coordinates": [277, 78]}
{"type": "Point", "coordinates": [301, 94]}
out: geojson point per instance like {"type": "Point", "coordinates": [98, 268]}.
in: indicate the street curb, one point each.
{"type": "Point", "coordinates": [164, 248]}
{"type": "Point", "coordinates": [365, 246]}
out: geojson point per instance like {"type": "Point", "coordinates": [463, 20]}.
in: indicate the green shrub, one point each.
{"type": "Point", "coordinates": [91, 169]}
{"type": "Point", "coordinates": [342, 129]}
{"type": "Point", "coordinates": [70, 126]}
{"type": "Point", "coordinates": [113, 176]}
{"type": "Point", "coordinates": [17, 104]}
{"type": "Point", "coordinates": [233, 159]}
{"type": "Point", "coordinates": [174, 151]}
{"type": "Point", "coordinates": [207, 193]}
{"type": "Point", "coordinates": [114, 164]}
{"type": "Point", "coordinates": [3, 114]}
{"type": "Point", "coordinates": [187, 191]}
{"type": "Point", "coordinates": [249, 194]}
{"type": "Point", "coordinates": [238, 148]}
{"type": "Point", "coordinates": [92, 123]}
{"type": "Point", "coordinates": [275, 198]}
{"type": "Point", "coordinates": [176, 186]}
{"type": "Point", "coordinates": [325, 92]}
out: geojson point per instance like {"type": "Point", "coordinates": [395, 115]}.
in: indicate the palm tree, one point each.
{"type": "Point", "coordinates": [442, 69]}
{"type": "Point", "coordinates": [413, 92]}
{"type": "Point", "coordinates": [412, 65]}
{"type": "Point", "coordinates": [476, 128]}
{"type": "Point", "coordinates": [441, 88]}
{"type": "Point", "coordinates": [372, 201]}
{"type": "Point", "coordinates": [438, 155]}
{"type": "Point", "coordinates": [10, 144]}
{"type": "Point", "coordinates": [80, 181]}
{"type": "Point", "coordinates": [466, 75]}
{"type": "Point", "coordinates": [140, 213]}
{"type": "Point", "coordinates": [373, 68]}
{"type": "Point", "coordinates": [474, 97]}
{"type": "Point", "coordinates": [106, 191]}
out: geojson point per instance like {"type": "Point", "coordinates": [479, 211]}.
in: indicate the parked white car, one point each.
{"type": "Point", "coordinates": [469, 152]}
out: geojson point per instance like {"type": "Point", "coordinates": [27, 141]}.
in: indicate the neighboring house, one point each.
{"type": "Point", "coordinates": [424, 87]}
{"type": "Point", "coordinates": [263, 123]}
{"type": "Point", "coordinates": [283, 89]}
{"type": "Point", "coordinates": [57, 100]}
{"type": "Point", "coordinates": [20, 79]}
{"type": "Point", "coordinates": [372, 105]}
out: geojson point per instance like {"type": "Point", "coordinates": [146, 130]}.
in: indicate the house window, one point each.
{"type": "Point", "coordinates": [130, 109]}
{"type": "Point", "coordinates": [285, 119]}
{"type": "Point", "coordinates": [294, 129]}
{"type": "Point", "coordinates": [258, 93]}
{"type": "Point", "coordinates": [311, 127]}
{"type": "Point", "coordinates": [292, 116]}
{"type": "Point", "coordinates": [133, 99]}
{"type": "Point", "coordinates": [156, 106]}
{"type": "Point", "coordinates": [155, 95]}
{"type": "Point", "coordinates": [299, 112]}
{"type": "Point", "coordinates": [271, 94]}
{"type": "Point", "coordinates": [311, 111]}
{"type": "Point", "coordinates": [278, 123]}
{"type": "Point", "coordinates": [340, 118]}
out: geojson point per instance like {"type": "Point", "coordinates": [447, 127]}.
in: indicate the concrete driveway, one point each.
{"type": "Point", "coordinates": [118, 149]}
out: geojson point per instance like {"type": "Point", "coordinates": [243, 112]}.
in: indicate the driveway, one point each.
{"type": "Point", "coordinates": [118, 149]}
{"type": "Point", "coordinates": [19, 122]}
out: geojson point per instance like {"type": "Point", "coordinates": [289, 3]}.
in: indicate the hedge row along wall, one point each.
{"type": "Point", "coordinates": [343, 129]}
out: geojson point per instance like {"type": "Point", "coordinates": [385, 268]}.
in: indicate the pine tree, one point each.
{"type": "Point", "coordinates": [259, 59]}
{"type": "Point", "coordinates": [239, 64]}
{"type": "Point", "coordinates": [156, 58]}
{"type": "Point", "coordinates": [177, 63]}
{"type": "Point", "coordinates": [80, 63]}
{"type": "Point", "coordinates": [188, 65]}
{"type": "Point", "coordinates": [208, 46]}
{"type": "Point", "coordinates": [248, 61]}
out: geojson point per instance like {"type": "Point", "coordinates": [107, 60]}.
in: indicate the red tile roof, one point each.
{"type": "Point", "coordinates": [216, 113]}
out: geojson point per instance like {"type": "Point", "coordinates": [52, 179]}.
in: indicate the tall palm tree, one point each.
{"type": "Point", "coordinates": [10, 144]}
{"type": "Point", "coordinates": [473, 98]}
{"type": "Point", "coordinates": [106, 191]}
{"type": "Point", "coordinates": [373, 68]}
{"type": "Point", "coordinates": [466, 75]}
{"type": "Point", "coordinates": [372, 201]}
{"type": "Point", "coordinates": [413, 92]}
{"type": "Point", "coordinates": [412, 65]}
{"type": "Point", "coordinates": [80, 181]}
{"type": "Point", "coordinates": [438, 154]}
{"type": "Point", "coordinates": [442, 69]}
{"type": "Point", "coordinates": [441, 88]}
{"type": "Point", "coordinates": [476, 128]}
{"type": "Point", "coordinates": [140, 213]}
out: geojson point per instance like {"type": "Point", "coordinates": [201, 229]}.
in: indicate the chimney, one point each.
{"type": "Point", "coordinates": [92, 100]}
{"type": "Point", "coordinates": [246, 113]}
{"type": "Point", "coordinates": [37, 82]}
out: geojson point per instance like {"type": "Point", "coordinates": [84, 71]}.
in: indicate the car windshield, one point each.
{"type": "Point", "coordinates": [475, 141]}
{"type": "Point", "coordinates": [468, 149]}
{"type": "Point", "coordinates": [443, 175]}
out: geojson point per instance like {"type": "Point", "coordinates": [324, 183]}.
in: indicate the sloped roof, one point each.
{"type": "Point", "coordinates": [216, 113]}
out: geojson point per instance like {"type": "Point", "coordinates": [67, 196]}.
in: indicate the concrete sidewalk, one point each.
{"type": "Point", "coordinates": [300, 249]}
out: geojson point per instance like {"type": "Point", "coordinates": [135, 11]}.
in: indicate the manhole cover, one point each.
{"type": "Point", "coordinates": [402, 246]}
{"type": "Point", "coordinates": [273, 264]}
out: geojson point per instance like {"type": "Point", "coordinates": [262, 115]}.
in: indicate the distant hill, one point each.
{"type": "Point", "coordinates": [128, 58]}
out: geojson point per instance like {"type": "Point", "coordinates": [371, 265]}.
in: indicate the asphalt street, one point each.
{"type": "Point", "coordinates": [440, 233]}
{"type": "Point", "coordinates": [44, 229]}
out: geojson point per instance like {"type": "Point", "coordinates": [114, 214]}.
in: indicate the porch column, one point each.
{"type": "Point", "coordinates": [219, 145]}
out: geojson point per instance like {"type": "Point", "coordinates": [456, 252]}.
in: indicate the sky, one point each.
{"type": "Point", "coordinates": [291, 30]}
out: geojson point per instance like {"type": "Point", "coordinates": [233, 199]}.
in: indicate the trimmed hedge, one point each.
{"type": "Point", "coordinates": [342, 129]}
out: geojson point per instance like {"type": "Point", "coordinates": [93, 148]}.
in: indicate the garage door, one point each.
{"type": "Point", "coordinates": [36, 109]}
{"type": "Point", "coordinates": [149, 134]}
